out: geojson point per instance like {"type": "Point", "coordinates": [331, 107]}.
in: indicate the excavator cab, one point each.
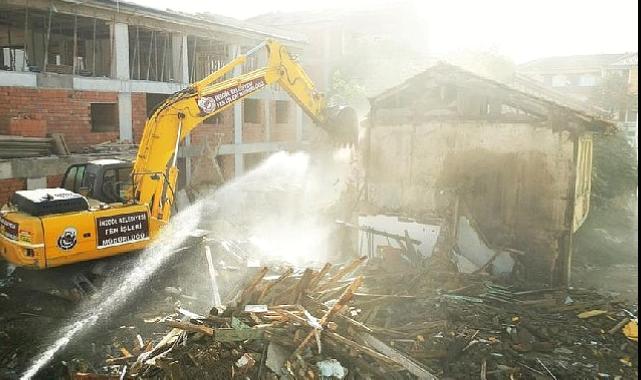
{"type": "Point", "coordinates": [107, 181]}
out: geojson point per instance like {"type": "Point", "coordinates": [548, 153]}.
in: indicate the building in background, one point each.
{"type": "Point", "coordinates": [354, 54]}
{"type": "Point", "coordinates": [608, 82]}
{"type": "Point", "coordinates": [93, 72]}
{"type": "Point", "coordinates": [478, 155]}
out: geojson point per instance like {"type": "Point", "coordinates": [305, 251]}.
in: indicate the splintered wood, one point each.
{"type": "Point", "coordinates": [307, 316]}
{"type": "Point", "coordinates": [356, 321]}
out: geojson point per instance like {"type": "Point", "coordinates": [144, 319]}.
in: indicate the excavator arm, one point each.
{"type": "Point", "coordinates": [154, 177]}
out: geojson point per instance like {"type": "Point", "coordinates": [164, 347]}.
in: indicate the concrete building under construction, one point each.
{"type": "Point", "coordinates": [93, 72]}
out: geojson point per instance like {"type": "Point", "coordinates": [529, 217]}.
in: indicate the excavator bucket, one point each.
{"type": "Point", "coordinates": [342, 125]}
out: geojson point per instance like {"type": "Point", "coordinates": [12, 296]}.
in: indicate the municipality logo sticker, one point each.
{"type": "Point", "coordinates": [207, 104]}
{"type": "Point", "coordinates": [68, 239]}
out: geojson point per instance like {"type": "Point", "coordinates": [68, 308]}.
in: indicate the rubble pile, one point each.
{"type": "Point", "coordinates": [362, 321]}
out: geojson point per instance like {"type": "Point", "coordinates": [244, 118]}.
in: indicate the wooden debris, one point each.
{"type": "Point", "coordinates": [191, 327]}
{"type": "Point", "coordinates": [618, 326]}
{"type": "Point", "coordinates": [379, 326]}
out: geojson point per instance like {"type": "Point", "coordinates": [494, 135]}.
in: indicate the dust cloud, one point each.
{"type": "Point", "coordinates": [286, 206]}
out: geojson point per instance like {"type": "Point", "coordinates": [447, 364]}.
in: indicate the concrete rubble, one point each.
{"type": "Point", "coordinates": [368, 318]}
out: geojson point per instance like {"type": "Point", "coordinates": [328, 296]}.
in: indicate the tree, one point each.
{"type": "Point", "coordinates": [614, 173]}
{"type": "Point", "coordinates": [613, 94]}
{"type": "Point", "coordinates": [344, 89]}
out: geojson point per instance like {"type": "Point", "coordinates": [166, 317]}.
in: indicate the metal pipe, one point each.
{"type": "Point", "coordinates": [46, 58]}
{"type": "Point", "coordinates": [93, 50]}
{"type": "Point", "coordinates": [75, 44]}
{"type": "Point", "coordinates": [256, 48]}
{"type": "Point", "coordinates": [26, 32]}
{"type": "Point", "coordinates": [180, 127]}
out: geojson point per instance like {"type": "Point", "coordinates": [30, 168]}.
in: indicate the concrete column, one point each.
{"type": "Point", "coordinates": [120, 53]}
{"type": "Point", "coordinates": [239, 159]}
{"type": "Point", "coordinates": [268, 120]}
{"type": "Point", "coordinates": [125, 118]}
{"type": "Point", "coordinates": [180, 74]}
{"type": "Point", "coordinates": [180, 58]}
{"type": "Point", "coordinates": [120, 70]}
{"type": "Point", "coordinates": [36, 183]}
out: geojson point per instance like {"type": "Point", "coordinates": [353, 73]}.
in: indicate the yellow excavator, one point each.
{"type": "Point", "coordinates": [110, 207]}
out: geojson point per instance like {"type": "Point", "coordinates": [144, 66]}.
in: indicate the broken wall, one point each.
{"type": "Point", "coordinates": [514, 180]}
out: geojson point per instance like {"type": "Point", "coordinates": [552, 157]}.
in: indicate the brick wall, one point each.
{"type": "Point", "coordinates": [138, 114]}
{"type": "Point", "coordinates": [253, 133]}
{"type": "Point", "coordinates": [65, 111]}
{"type": "Point", "coordinates": [226, 164]}
{"type": "Point", "coordinates": [223, 124]}
{"type": "Point", "coordinates": [54, 180]}
{"type": "Point", "coordinates": [9, 186]}
{"type": "Point", "coordinates": [19, 126]}
{"type": "Point", "coordinates": [283, 132]}
{"type": "Point", "coordinates": [69, 112]}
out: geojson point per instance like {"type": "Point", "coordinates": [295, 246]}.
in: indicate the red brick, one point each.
{"type": "Point", "coordinates": [27, 127]}
{"type": "Point", "coordinates": [10, 186]}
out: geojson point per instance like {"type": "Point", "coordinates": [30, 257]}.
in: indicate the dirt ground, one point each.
{"type": "Point", "coordinates": [618, 279]}
{"type": "Point", "coordinates": [34, 305]}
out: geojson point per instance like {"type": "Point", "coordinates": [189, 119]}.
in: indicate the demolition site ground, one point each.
{"type": "Point", "coordinates": [365, 318]}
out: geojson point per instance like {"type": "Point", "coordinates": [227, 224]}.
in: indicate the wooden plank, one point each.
{"type": "Point", "coordinates": [59, 144]}
{"type": "Point", "coordinates": [288, 272]}
{"type": "Point", "coordinates": [410, 365]}
{"type": "Point", "coordinates": [249, 290]}
{"type": "Point", "coordinates": [191, 327]}
{"type": "Point", "coordinates": [359, 348]}
{"type": "Point", "coordinates": [342, 301]}
{"type": "Point", "coordinates": [342, 273]}
{"type": "Point", "coordinates": [239, 335]}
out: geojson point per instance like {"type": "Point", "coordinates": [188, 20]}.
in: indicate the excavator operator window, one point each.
{"type": "Point", "coordinates": [88, 184]}
{"type": "Point", "coordinates": [74, 177]}
{"type": "Point", "coordinates": [109, 180]}
{"type": "Point", "coordinates": [115, 184]}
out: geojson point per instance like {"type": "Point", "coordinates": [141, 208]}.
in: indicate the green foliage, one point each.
{"type": "Point", "coordinates": [613, 93]}
{"type": "Point", "coordinates": [345, 88]}
{"type": "Point", "coordinates": [608, 236]}
{"type": "Point", "coordinates": [614, 171]}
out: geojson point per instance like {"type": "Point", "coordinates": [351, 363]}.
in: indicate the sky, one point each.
{"type": "Point", "coordinates": [521, 30]}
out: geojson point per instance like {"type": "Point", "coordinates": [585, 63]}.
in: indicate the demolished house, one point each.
{"type": "Point", "coordinates": [508, 172]}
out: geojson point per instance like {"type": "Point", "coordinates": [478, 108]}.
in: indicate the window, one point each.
{"type": "Point", "coordinates": [587, 80]}
{"type": "Point", "coordinates": [116, 184]}
{"type": "Point", "coordinates": [559, 81]}
{"type": "Point", "coordinates": [632, 116]}
{"type": "Point", "coordinates": [215, 119]}
{"type": "Point", "coordinates": [251, 111]}
{"type": "Point", "coordinates": [251, 108]}
{"type": "Point", "coordinates": [124, 175]}
{"type": "Point", "coordinates": [13, 59]}
{"type": "Point", "coordinates": [74, 177]}
{"type": "Point", "coordinates": [104, 117]}
{"type": "Point", "coordinates": [88, 183]}
{"type": "Point", "coordinates": [282, 111]}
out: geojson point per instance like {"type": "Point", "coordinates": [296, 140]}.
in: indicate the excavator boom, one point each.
{"type": "Point", "coordinates": [111, 223]}
{"type": "Point", "coordinates": [154, 180]}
